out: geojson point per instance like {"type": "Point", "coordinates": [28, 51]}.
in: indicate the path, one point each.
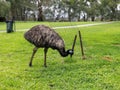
{"type": "Point", "coordinates": [84, 25]}
{"type": "Point", "coordinates": [75, 26]}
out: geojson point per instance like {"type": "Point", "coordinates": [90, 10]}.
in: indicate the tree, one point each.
{"type": "Point", "coordinates": [92, 9]}
{"type": "Point", "coordinates": [40, 4]}
{"type": "Point", "coordinates": [108, 9]}
{"type": "Point", "coordinates": [113, 9]}
{"type": "Point", "coordinates": [40, 11]}
{"type": "Point", "coordinates": [4, 8]}
{"type": "Point", "coordinates": [103, 10]}
{"type": "Point", "coordinates": [71, 6]}
{"type": "Point", "coordinates": [19, 7]}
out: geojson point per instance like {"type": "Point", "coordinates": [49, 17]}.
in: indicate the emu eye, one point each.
{"type": "Point", "coordinates": [70, 51]}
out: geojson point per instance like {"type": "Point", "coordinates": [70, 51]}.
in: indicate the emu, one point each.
{"type": "Point", "coordinates": [44, 37]}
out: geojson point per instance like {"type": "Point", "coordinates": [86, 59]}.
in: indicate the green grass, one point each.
{"type": "Point", "coordinates": [27, 24]}
{"type": "Point", "coordinates": [100, 70]}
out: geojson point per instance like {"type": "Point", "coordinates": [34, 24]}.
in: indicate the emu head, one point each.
{"type": "Point", "coordinates": [68, 52]}
{"type": "Point", "coordinates": [71, 51]}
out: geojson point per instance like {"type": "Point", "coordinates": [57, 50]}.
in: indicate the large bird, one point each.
{"type": "Point", "coordinates": [44, 37]}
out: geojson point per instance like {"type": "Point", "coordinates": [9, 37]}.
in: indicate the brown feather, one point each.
{"type": "Point", "coordinates": [44, 37]}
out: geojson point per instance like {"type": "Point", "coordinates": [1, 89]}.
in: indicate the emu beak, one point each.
{"type": "Point", "coordinates": [73, 44]}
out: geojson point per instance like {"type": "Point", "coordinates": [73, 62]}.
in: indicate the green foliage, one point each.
{"type": "Point", "coordinates": [59, 9]}
{"type": "Point", "coordinates": [100, 70]}
{"type": "Point", "coordinates": [4, 8]}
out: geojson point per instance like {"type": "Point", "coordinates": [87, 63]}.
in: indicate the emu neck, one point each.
{"type": "Point", "coordinates": [63, 53]}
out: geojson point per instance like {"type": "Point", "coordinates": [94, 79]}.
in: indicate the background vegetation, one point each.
{"type": "Point", "coordinates": [60, 10]}
{"type": "Point", "coordinates": [100, 70]}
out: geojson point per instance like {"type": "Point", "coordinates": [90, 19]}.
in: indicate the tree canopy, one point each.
{"type": "Point", "coordinates": [60, 10]}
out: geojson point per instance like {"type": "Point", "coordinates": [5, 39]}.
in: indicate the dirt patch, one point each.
{"type": "Point", "coordinates": [116, 44]}
{"type": "Point", "coordinates": [108, 58]}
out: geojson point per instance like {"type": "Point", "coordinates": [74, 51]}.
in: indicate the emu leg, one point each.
{"type": "Point", "coordinates": [34, 51]}
{"type": "Point", "coordinates": [45, 53]}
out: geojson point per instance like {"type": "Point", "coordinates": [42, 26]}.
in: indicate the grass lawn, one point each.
{"type": "Point", "coordinates": [28, 24]}
{"type": "Point", "coordinates": [100, 70]}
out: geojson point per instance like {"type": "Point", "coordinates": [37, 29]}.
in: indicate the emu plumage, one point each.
{"type": "Point", "coordinates": [44, 37]}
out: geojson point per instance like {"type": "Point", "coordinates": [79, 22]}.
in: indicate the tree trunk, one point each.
{"type": "Point", "coordinates": [69, 14]}
{"type": "Point", "coordinates": [93, 18]}
{"type": "Point", "coordinates": [79, 17]}
{"type": "Point", "coordinates": [84, 18]}
{"type": "Point", "coordinates": [40, 13]}
{"type": "Point", "coordinates": [102, 18]}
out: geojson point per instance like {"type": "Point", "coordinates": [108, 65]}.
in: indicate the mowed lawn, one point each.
{"type": "Point", "coordinates": [99, 71]}
{"type": "Point", "coordinates": [22, 25]}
